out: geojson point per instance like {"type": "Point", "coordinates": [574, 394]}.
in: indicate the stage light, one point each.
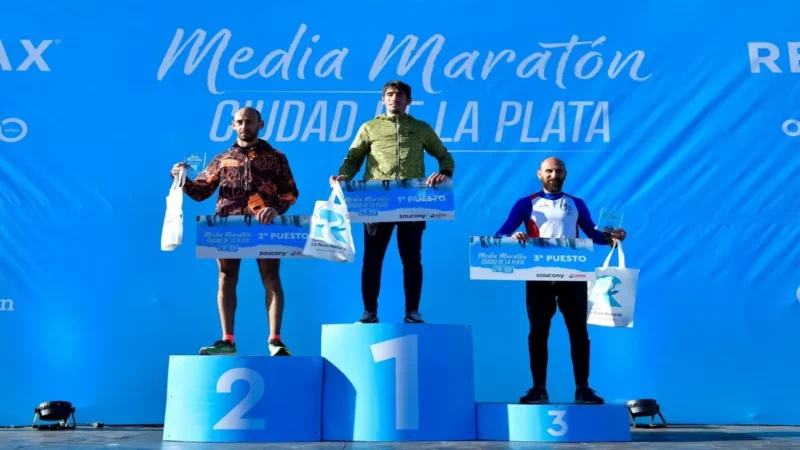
{"type": "Point", "coordinates": [645, 408]}
{"type": "Point", "coordinates": [56, 411]}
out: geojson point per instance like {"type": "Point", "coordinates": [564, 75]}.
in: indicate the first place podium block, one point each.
{"type": "Point", "coordinates": [397, 382]}
{"type": "Point", "coordinates": [243, 399]}
{"type": "Point", "coordinates": [553, 423]}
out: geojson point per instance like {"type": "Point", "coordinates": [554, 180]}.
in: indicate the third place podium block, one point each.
{"type": "Point", "coordinates": [553, 423]}
{"type": "Point", "coordinates": [397, 382]}
{"type": "Point", "coordinates": [243, 399]}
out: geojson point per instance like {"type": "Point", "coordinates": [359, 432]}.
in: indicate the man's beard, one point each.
{"type": "Point", "coordinates": [553, 185]}
{"type": "Point", "coordinates": [247, 136]}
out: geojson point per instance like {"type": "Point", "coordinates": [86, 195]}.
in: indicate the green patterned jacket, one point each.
{"type": "Point", "coordinates": [389, 143]}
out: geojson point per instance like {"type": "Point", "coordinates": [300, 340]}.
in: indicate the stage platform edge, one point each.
{"type": "Point", "coordinates": [553, 423]}
{"type": "Point", "coordinates": [243, 399]}
{"type": "Point", "coordinates": [390, 382]}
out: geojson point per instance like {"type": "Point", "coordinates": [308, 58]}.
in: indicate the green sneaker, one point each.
{"type": "Point", "coordinates": [277, 348]}
{"type": "Point", "coordinates": [225, 347]}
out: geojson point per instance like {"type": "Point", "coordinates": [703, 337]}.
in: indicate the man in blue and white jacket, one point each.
{"type": "Point", "coordinates": [551, 213]}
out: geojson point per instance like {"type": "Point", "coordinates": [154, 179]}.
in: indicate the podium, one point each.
{"type": "Point", "coordinates": [373, 383]}
{"type": "Point", "coordinates": [553, 423]}
{"type": "Point", "coordinates": [243, 399]}
{"type": "Point", "coordinates": [398, 382]}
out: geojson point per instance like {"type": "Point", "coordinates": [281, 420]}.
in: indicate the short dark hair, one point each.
{"type": "Point", "coordinates": [399, 85]}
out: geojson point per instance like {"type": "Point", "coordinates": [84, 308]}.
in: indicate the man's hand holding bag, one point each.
{"type": "Point", "coordinates": [172, 231]}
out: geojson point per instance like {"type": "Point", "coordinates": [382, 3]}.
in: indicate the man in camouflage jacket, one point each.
{"type": "Point", "coordinates": [254, 179]}
{"type": "Point", "coordinates": [393, 145]}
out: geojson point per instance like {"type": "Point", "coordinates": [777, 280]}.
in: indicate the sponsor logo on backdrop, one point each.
{"type": "Point", "coordinates": [774, 58]}
{"type": "Point", "coordinates": [23, 55]}
{"type": "Point", "coordinates": [247, 74]}
{"type": "Point", "coordinates": [770, 57]}
{"type": "Point", "coordinates": [792, 127]}
{"type": "Point", "coordinates": [6, 305]}
{"type": "Point", "coordinates": [12, 130]}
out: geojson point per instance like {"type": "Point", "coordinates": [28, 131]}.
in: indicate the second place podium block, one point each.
{"type": "Point", "coordinates": [243, 399]}
{"type": "Point", "coordinates": [398, 382]}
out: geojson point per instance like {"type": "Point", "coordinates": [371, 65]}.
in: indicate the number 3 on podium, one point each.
{"type": "Point", "coordinates": [558, 421]}
{"type": "Point", "coordinates": [405, 352]}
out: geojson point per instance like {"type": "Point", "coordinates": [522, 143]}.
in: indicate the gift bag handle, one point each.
{"type": "Point", "coordinates": [336, 193]}
{"type": "Point", "coordinates": [620, 255]}
{"type": "Point", "coordinates": [180, 179]}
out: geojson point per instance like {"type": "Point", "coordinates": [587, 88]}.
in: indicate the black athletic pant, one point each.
{"type": "Point", "coordinates": [541, 298]}
{"type": "Point", "coordinates": [409, 243]}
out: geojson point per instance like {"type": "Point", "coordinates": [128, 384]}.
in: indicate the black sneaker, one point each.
{"type": "Point", "coordinates": [368, 317]}
{"type": "Point", "coordinates": [225, 347]}
{"type": "Point", "coordinates": [277, 348]}
{"type": "Point", "coordinates": [585, 395]}
{"type": "Point", "coordinates": [414, 317]}
{"type": "Point", "coordinates": [535, 396]}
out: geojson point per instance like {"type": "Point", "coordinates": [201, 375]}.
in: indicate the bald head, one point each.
{"type": "Point", "coordinates": [246, 112]}
{"type": "Point", "coordinates": [552, 162]}
{"type": "Point", "coordinates": [552, 173]}
{"type": "Point", "coordinates": [247, 121]}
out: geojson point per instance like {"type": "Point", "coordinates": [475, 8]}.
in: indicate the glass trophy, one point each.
{"type": "Point", "coordinates": [609, 220]}
{"type": "Point", "coordinates": [196, 163]}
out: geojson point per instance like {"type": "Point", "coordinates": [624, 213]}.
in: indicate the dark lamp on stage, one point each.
{"type": "Point", "coordinates": [645, 408]}
{"type": "Point", "coordinates": [56, 411]}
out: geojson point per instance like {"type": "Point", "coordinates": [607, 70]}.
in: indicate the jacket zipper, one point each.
{"type": "Point", "coordinates": [245, 185]}
{"type": "Point", "coordinates": [397, 147]}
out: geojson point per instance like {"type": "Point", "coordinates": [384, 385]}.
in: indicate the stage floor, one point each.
{"type": "Point", "coordinates": [676, 437]}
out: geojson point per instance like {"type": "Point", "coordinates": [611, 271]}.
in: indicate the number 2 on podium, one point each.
{"type": "Point", "coordinates": [405, 352]}
{"type": "Point", "coordinates": [233, 420]}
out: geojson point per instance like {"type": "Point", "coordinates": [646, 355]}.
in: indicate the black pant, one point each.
{"type": "Point", "coordinates": [409, 243]}
{"type": "Point", "coordinates": [541, 298]}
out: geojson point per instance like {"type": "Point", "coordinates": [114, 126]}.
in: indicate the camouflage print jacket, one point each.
{"type": "Point", "coordinates": [393, 148]}
{"type": "Point", "coordinates": [241, 173]}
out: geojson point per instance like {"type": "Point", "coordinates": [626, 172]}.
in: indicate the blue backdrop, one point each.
{"type": "Point", "coordinates": [685, 115]}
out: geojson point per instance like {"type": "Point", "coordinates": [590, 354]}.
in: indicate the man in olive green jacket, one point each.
{"type": "Point", "coordinates": [393, 145]}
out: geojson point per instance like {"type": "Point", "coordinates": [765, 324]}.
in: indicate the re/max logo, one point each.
{"type": "Point", "coordinates": [35, 55]}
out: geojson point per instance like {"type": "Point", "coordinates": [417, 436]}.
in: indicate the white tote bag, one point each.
{"type": "Point", "coordinates": [172, 232]}
{"type": "Point", "coordinates": [331, 236]}
{"type": "Point", "coordinates": [612, 296]}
